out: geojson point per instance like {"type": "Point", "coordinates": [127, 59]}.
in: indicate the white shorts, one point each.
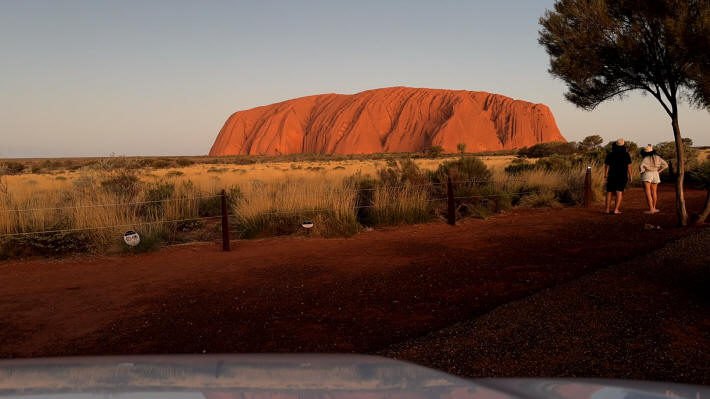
{"type": "Point", "coordinates": [651, 177]}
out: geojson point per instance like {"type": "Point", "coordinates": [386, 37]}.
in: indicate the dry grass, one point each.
{"type": "Point", "coordinates": [267, 198]}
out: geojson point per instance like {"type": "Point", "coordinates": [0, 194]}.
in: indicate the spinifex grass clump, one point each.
{"type": "Point", "coordinates": [279, 207]}
{"type": "Point", "coordinates": [556, 182]}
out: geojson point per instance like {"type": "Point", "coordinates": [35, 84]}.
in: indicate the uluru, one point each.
{"type": "Point", "coordinates": [394, 119]}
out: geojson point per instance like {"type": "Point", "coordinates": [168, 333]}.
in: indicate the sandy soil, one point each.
{"type": "Point", "coordinates": [644, 319]}
{"type": "Point", "coordinates": [359, 294]}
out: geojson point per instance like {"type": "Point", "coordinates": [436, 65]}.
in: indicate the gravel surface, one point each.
{"type": "Point", "coordinates": [648, 318]}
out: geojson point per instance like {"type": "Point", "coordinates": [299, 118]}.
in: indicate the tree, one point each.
{"type": "Point", "coordinates": [591, 143]}
{"type": "Point", "coordinates": [667, 150]}
{"type": "Point", "coordinates": [435, 151]}
{"type": "Point", "coordinates": [604, 49]}
{"type": "Point", "coordinates": [461, 147]}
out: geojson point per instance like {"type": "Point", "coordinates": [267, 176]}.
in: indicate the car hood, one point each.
{"type": "Point", "coordinates": [292, 377]}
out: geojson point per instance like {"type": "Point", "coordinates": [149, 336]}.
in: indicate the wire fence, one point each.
{"type": "Point", "coordinates": [355, 207]}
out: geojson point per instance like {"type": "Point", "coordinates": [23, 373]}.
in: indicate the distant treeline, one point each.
{"type": "Point", "coordinates": [591, 145]}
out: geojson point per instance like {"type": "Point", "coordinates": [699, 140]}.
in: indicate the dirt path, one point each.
{"type": "Point", "coordinates": [358, 294]}
{"type": "Point", "coordinates": [646, 319]}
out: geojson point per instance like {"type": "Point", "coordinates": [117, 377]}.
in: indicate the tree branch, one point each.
{"type": "Point", "coordinates": [657, 95]}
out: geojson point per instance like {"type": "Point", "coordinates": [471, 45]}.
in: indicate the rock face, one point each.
{"type": "Point", "coordinates": [396, 119]}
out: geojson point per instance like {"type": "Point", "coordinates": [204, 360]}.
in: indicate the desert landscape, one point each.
{"type": "Point", "coordinates": [470, 187]}
{"type": "Point", "coordinates": [275, 294]}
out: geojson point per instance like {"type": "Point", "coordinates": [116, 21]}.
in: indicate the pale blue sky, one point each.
{"type": "Point", "coordinates": [91, 78]}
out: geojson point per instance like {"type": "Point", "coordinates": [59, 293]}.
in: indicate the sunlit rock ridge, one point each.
{"type": "Point", "coordinates": [395, 119]}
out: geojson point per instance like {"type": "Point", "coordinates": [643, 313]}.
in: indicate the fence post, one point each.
{"type": "Point", "coordinates": [225, 223]}
{"type": "Point", "coordinates": [588, 187]}
{"type": "Point", "coordinates": [452, 205]}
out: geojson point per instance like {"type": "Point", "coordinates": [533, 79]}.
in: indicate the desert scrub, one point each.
{"type": "Point", "coordinates": [107, 197]}
{"type": "Point", "coordinates": [49, 244]}
{"type": "Point", "coordinates": [399, 195]}
{"type": "Point", "coordinates": [269, 207]}
{"type": "Point", "coordinates": [564, 178]}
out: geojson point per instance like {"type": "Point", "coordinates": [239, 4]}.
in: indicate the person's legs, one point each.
{"type": "Point", "coordinates": [649, 196]}
{"type": "Point", "coordinates": [608, 201]}
{"type": "Point", "coordinates": [619, 197]}
{"type": "Point", "coordinates": [654, 194]}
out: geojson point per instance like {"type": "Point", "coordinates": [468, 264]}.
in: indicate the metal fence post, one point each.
{"type": "Point", "coordinates": [452, 205]}
{"type": "Point", "coordinates": [588, 187]}
{"type": "Point", "coordinates": [225, 223]}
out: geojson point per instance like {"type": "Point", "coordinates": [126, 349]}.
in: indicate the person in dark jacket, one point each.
{"type": "Point", "coordinates": [617, 173]}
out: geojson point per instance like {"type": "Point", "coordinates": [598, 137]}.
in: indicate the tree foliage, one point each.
{"type": "Point", "coordinates": [591, 143]}
{"type": "Point", "coordinates": [541, 150]}
{"type": "Point", "coordinates": [603, 49]}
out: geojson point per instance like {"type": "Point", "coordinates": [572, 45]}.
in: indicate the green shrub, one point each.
{"type": "Point", "coordinates": [13, 167]}
{"type": "Point", "coordinates": [591, 143]}
{"type": "Point", "coordinates": [150, 241]}
{"type": "Point", "coordinates": [519, 165]}
{"type": "Point", "coordinates": [161, 163]}
{"type": "Point", "coordinates": [435, 151]}
{"type": "Point", "coordinates": [700, 176]}
{"type": "Point", "coordinates": [540, 200]}
{"type": "Point", "coordinates": [365, 186]}
{"type": "Point", "coordinates": [463, 169]}
{"type": "Point", "coordinates": [122, 183]}
{"type": "Point", "coordinates": [401, 171]}
{"type": "Point", "coordinates": [667, 151]}
{"type": "Point", "coordinates": [556, 162]}
{"type": "Point", "coordinates": [154, 194]}
{"type": "Point", "coordinates": [46, 244]}
{"type": "Point", "coordinates": [184, 162]}
{"type": "Point", "coordinates": [548, 149]}
{"type": "Point", "coordinates": [212, 206]}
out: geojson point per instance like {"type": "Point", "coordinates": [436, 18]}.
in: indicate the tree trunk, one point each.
{"type": "Point", "coordinates": [706, 211]}
{"type": "Point", "coordinates": [680, 166]}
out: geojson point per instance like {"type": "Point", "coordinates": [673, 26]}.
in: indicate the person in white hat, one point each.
{"type": "Point", "coordinates": [651, 167]}
{"type": "Point", "coordinates": [617, 173]}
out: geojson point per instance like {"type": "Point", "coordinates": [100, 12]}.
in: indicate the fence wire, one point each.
{"type": "Point", "coordinates": [294, 212]}
{"type": "Point", "coordinates": [108, 205]}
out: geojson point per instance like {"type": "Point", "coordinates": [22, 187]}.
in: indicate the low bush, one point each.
{"type": "Point", "coordinates": [462, 169]}
{"type": "Point", "coordinates": [212, 205]}
{"type": "Point", "coordinates": [154, 196]}
{"type": "Point", "coordinates": [544, 199]}
{"type": "Point", "coordinates": [174, 173]}
{"type": "Point", "coordinates": [182, 162]}
{"type": "Point", "coordinates": [519, 165]}
{"type": "Point", "coordinates": [122, 183]}
{"type": "Point", "coordinates": [161, 163]}
{"type": "Point", "coordinates": [46, 244]}
{"type": "Point", "coordinates": [13, 167]}
{"type": "Point", "coordinates": [399, 172]}
{"type": "Point", "coordinates": [150, 241]}
{"type": "Point", "coordinates": [548, 149]}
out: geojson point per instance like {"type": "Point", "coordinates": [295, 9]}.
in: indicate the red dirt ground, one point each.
{"type": "Point", "coordinates": [358, 294]}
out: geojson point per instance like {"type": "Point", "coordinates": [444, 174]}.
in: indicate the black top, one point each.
{"type": "Point", "coordinates": [618, 160]}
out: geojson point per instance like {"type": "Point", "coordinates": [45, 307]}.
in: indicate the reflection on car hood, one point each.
{"type": "Point", "coordinates": [292, 377]}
